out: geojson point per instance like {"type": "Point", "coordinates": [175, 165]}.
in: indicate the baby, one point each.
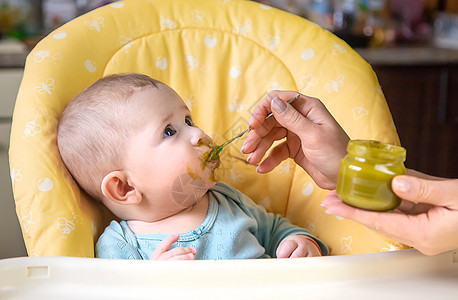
{"type": "Point", "coordinates": [130, 142]}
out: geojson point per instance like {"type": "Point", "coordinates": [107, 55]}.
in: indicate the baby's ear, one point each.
{"type": "Point", "coordinates": [115, 187]}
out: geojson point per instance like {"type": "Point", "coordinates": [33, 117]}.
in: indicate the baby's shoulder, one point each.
{"type": "Point", "coordinates": [115, 230]}
{"type": "Point", "coordinates": [231, 194]}
{"type": "Point", "coordinates": [227, 191]}
{"type": "Point", "coordinates": [118, 241]}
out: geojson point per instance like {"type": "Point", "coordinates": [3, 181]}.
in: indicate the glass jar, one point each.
{"type": "Point", "coordinates": [366, 172]}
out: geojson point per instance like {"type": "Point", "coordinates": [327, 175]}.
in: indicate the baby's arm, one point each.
{"type": "Point", "coordinates": [283, 239]}
{"type": "Point", "coordinates": [298, 246]}
{"type": "Point", "coordinates": [163, 252]}
{"type": "Point", "coordinates": [279, 236]}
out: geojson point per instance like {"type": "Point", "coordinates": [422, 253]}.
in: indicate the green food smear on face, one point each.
{"type": "Point", "coordinates": [211, 155]}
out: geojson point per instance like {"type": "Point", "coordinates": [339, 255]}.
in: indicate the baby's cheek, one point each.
{"type": "Point", "coordinates": [186, 190]}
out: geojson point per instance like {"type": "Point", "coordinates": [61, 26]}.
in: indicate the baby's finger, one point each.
{"type": "Point", "coordinates": [189, 256]}
{"type": "Point", "coordinates": [165, 245]}
{"type": "Point", "coordinates": [285, 249]}
{"type": "Point", "coordinates": [177, 252]}
{"type": "Point", "coordinates": [313, 250]}
{"type": "Point", "coordinates": [301, 251]}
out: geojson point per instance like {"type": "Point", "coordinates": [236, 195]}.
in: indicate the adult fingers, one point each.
{"type": "Point", "coordinates": [412, 208]}
{"type": "Point", "coordinates": [265, 144]}
{"type": "Point", "coordinates": [308, 111]}
{"type": "Point", "coordinates": [264, 132]}
{"type": "Point", "coordinates": [263, 108]}
{"type": "Point", "coordinates": [278, 154]}
{"type": "Point", "coordinates": [287, 116]}
{"type": "Point", "coordinates": [260, 127]}
{"type": "Point", "coordinates": [436, 192]}
{"type": "Point", "coordinates": [396, 226]}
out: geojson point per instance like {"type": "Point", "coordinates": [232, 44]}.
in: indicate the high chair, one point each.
{"type": "Point", "coordinates": [222, 57]}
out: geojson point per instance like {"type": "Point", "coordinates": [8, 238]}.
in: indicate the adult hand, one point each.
{"type": "Point", "coordinates": [297, 246]}
{"type": "Point", "coordinates": [314, 139]}
{"type": "Point", "coordinates": [427, 218]}
{"type": "Point", "coordinates": [163, 252]}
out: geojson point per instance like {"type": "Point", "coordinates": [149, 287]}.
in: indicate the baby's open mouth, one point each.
{"type": "Point", "coordinates": [213, 162]}
{"type": "Point", "coordinates": [210, 161]}
{"type": "Point", "coordinates": [212, 154]}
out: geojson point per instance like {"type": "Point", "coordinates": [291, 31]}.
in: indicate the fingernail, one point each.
{"type": "Point", "coordinates": [278, 105]}
{"type": "Point", "coordinates": [401, 185]}
{"type": "Point", "coordinates": [249, 157]}
{"type": "Point", "coordinates": [330, 212]}
{"type": "Point", "coordinates": [243, 146]}
{"type": "Point", "coordinates": [249, 122]}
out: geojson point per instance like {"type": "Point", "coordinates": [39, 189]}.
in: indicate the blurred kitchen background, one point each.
{"type": "Point", "coordinates": [362, 23]}
{"type": "Point", "coordinates": [29, 20]}
{"type": "Point", "coordinates": [381, 23]}
{"type": "Point", "coordinates": [412, 46]}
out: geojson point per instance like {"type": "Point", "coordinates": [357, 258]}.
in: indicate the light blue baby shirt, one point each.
{"type": "Point", "coordinates": [235, 228]}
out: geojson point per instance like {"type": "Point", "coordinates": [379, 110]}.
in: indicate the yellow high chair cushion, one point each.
{"type": "Point", "coordinates": [222, 57]}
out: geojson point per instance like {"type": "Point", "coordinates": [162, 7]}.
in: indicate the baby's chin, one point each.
{"type": "Point", "coordinates": [188, 189]}
{"type": "Point", "coordinates": [210, 184]}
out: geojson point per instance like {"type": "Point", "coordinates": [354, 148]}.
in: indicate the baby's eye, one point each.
{"type": "Point", "coordinates": [168, 131]}
{"type": "Point", "coordinates": [189, 121]}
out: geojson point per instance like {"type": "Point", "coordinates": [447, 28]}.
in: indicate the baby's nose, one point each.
{"type": "Point", "coordinates": [198, 137]}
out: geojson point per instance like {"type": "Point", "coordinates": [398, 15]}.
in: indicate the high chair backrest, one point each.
{"type": "Point", "coordinates": [221, 56]}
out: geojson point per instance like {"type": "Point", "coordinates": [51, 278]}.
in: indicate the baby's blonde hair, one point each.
{"type": "Point", "coordinates": [93, 129]}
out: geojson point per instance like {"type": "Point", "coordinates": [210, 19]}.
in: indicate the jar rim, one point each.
{"type": "Point", "coordinates": [376, 149]}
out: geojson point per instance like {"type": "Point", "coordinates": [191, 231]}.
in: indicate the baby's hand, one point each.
{"type": "Point", "coordinates": [298, 246]}
{"type": "Point", "coordinates": [163, 252]}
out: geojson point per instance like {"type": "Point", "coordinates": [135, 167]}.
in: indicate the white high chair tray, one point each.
{"type": "Point", "coordinates": [405, 273]}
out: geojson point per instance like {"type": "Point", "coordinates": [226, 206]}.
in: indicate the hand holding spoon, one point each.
{"type": "Point", "coordinates": [213, 154]}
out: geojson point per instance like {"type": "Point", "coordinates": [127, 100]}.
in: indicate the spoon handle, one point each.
{"type": "Point", "coordinates": [235, 137]}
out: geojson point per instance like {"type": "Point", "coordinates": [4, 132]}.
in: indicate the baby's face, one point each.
{"type": "Point", "coordinates": [164, 158]}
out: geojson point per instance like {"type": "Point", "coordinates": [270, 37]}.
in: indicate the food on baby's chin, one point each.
{"type": "Point", "coordinates": [216, 162]}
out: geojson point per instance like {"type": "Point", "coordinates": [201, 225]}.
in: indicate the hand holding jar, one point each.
{"type": "Point", "coordinates": [427, 218]}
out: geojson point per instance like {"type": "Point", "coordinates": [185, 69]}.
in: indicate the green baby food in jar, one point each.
{"type": "Point", "coordinates": [366, 172]}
